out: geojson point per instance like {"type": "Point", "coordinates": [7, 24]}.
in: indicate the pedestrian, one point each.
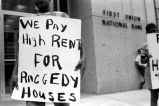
{"type": "Point", "coordinates": [41, 7]}
{"type": "Point", "coordinates": [141, 63]}
{"type": "Point", "coordinates": [150, 28]}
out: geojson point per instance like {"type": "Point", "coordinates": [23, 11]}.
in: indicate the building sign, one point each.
{"type": "Point", "coordinates": [115, 23]}
{"type": "Point", "coordinates": [49, 50]}
{"type": "Point", "coordinates": [111, 14]}
{"type": "Point", "coordinates": [120, 24]}
{"type": "Point", "coordinates": [132, 18]}
{"type": "Point", "coordinates": [153, 45]}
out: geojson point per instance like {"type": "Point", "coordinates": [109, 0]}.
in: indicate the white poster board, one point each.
{"type": "Point", "coordinates": [48, 53]}
{"type": "Point", "coordinates": [153, 46]}
{"type": "Point", "coordinates": [154, 69]}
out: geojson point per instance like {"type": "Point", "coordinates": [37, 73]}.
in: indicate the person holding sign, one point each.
{"type": "Point", "coordinates": [42, 7]}
{"type": "Point", "coordinates": [150, 29]}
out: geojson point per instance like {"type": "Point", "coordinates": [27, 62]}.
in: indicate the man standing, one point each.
{"type": "Point", "coordinates": [42, 7]}
{"type": "Point", "coordinates": [150, 28]}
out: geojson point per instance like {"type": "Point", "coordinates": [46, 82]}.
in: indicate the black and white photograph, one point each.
{"type": "Point", "coordinates": [79, 52]}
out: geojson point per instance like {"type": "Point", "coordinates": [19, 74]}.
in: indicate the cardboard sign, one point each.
{"type": "Point", "coordinates": [49, 50]}
{"type": "Point", "coordinates": [153, 46]}
{"type": "Point", "coordinates": [154, 68]}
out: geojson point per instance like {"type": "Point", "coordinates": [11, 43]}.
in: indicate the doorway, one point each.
{"type": "Point", "coordinates": [11, 30]}
{"type": "Point", "coordinates": [9, 48]}
{"type": "Point", "coordinates": [11, 11]}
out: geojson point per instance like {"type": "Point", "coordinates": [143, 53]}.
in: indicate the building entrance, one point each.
{"type": "Point", "coordinates": [10, 42]}
{"type": "Point", "coordinates": [8, 47]}
{"type": "Point", "coordinates": [10, 53]}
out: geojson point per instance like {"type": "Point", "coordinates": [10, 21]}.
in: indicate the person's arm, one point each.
{"type": "Point", "coordinates": [15, 70]}
{"type": "Point", "coordinates": [137, 60]}
{"type": "Point", "coordinates": [14, 77]}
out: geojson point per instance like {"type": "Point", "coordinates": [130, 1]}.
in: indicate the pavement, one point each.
{"type": "Point", "coordinates": [128, 98]}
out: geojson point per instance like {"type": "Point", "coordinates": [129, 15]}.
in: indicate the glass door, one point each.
{"type": "Point", "coordinates": [10, 47]}
{"type": "Point", "coordinates": [11, 11]}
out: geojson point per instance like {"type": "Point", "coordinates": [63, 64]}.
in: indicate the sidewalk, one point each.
{"type": "Point", "coordinates": [129, 98]}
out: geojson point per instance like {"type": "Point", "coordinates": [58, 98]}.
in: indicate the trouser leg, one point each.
{"type": "Point", "coordinates": [154, 97]}
{"type": "Point", "coordinates": [61, 104]}
{"type": "Point", "coordinates": [31, 103]}
{"type": "Point", "coordinates": [142, 78]}
{"type": "Point", "coordinates": [142, 72]}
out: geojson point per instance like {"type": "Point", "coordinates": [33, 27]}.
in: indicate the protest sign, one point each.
{"type": "Point", "coordinates": [153, 46]}
{"type": "Point", "coordinates": [49, 50]}
{"type": "Point", "coordinates": [154, 69]}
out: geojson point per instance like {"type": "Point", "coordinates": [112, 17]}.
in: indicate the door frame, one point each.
{"type": "Point", "coordinates": [2, 60]}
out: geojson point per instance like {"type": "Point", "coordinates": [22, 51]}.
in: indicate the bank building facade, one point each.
{"type": "Point", "coordinates": [112, 31]}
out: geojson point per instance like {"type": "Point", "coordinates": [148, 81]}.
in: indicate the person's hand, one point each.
{"type": "Point", "coordinates": [13, 82]}
{"type": "Point", "coordinates": [81, 64]}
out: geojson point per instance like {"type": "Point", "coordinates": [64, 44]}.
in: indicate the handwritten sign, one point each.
{"type": "Point", "coordinates": [154, 68]}
{"type": "Point", "coordinates": [49, 50]}
{"type": "Point", "coordinates": [153, 45]}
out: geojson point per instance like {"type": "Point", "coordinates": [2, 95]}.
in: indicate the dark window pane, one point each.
{"type": "Point", "coordinates": [19, 5]}
{"type": "Point", "coordinates": [63, 6]}
{"type": "Point", "coordinates": [9, 45]}
{"type": "Point", "coordinates": [10, 36]}
{"type": "Point", "coordinates": [9, 65]}
{"type": "Point", "coordinates": [55, 5]}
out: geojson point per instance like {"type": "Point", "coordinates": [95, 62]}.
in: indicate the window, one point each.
{"type": "Point", "coordinates": [157, 12]}
{"type": "Point", "coordinates": [11, 28]}
{"type": "Point", "coordinates": [18, 5]}
{"type": "Point", "coordinates": [28, 5]}
{"type": "Point", "coordinates": [60, 5]}
{"type": "Point", "coordinates": [63, 6]}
